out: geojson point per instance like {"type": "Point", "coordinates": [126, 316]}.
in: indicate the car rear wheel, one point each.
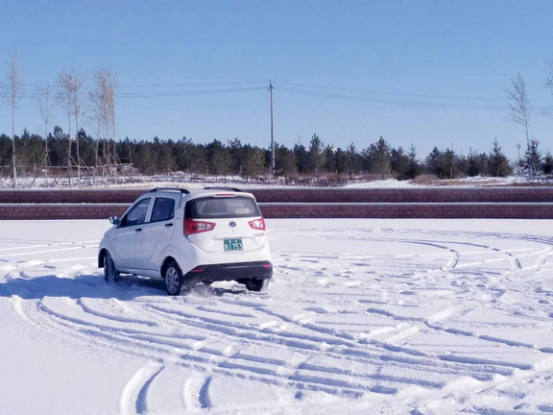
{"type": "Point", "coordinates": [257, 284]}
{"type": "Point", "coordinates": [110, 273]}
{"type": "Point", "coordinates": [174, 280]}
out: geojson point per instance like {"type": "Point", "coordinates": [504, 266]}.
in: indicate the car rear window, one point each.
{"type": "Point", "coordinates": [222, 207]}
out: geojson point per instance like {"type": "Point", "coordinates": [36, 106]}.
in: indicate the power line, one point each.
{"type": "Point", "coordinates": [169, 85]}
{"type": "Point", "coordinates": [403, 94]}
{"type": "Point", "coordinates": [183, 93]}
{"type": "Point", "coordinates": [188, 85]}
{"type": "Point", "coordinates": [162, 93]}
{"type": "Point", "coordinates": [391, 102]}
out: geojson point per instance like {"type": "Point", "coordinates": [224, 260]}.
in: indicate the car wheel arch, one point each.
{"type": "Point", "coordinates": [165, 263]}
{"type": "Point", "coordinates": [101, 256]}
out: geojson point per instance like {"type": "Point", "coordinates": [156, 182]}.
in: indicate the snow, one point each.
{"type": "Point", "coordinates": [363, 316]}
{"type": "Point", "coordinates": [436, 183]}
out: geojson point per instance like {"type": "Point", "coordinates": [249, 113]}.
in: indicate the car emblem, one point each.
{"type": "Point", "coordinates": [232, 224]}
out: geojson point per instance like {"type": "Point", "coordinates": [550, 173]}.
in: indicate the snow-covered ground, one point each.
{"type": "Point", "coordinates": [187, 181]}
{"type": "Point", "coordinates": [362, 317]}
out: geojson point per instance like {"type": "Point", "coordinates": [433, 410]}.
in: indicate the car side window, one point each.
{"type": "Point", "coordinates": [137, 215]}
{"type": "Point", "coordinates": [164, 209]}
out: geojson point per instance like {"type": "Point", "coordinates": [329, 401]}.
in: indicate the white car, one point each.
{"type": "Point", "coordinates": [187, 237]}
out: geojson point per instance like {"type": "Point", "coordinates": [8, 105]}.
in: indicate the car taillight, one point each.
{"type": "Point", "coordinates": [192, 226]}
{"type": "Point", "coordinates": [258, 224]}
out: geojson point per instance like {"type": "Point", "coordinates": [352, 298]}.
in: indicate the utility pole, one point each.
{"type": "Point", "coordinates": [272, 168]}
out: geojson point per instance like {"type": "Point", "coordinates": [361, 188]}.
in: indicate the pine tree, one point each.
{"type": "Point", "coordinates": [532, 160]}
{"type": "Point", "coordinates": [435, 163]}
{"type": "Point", "coordinates": [254, 162]}
{"type": "Point", "coordinates": [399, 163]}
{"type": "Point", "coordinates": [474, 165]}
{"type": "Point", "coordinates": [381, 157]}
{"type": "Point", "coordinates": [302, 157]}
{"type": "Point", "coordinates": [414, 168]}
{"type": "Point", "coordinates": [498, 165]}
{"type": "Point", "coordinates": [316, 155]}
{"type": "Point", "coordinates": [352, 162]}
{"type": "Point", "coordinates": [547, 165]}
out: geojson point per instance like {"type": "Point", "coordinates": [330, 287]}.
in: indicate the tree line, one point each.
{"type": "Point", "coordinates": [94, 107]}
{"type": "Point", "coordinates": [220, 159]}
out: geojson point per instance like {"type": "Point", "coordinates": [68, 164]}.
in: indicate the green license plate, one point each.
{"type": "Point", "coordinates": [233, 245]}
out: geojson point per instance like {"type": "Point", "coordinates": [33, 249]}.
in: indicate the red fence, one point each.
{"type": "Point", "coordinates": [306, 195]}
{"type": "Point", "coordinates": [502, 202]}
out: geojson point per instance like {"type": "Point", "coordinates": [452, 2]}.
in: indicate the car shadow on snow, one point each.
{"type": "Point", "coordinates": [94, 286]}
{"type": "Point", "coordinates": [81, 286]}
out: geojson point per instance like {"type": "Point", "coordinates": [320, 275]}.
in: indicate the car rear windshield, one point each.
{"type": "Point", "coordinates": [222, 207]}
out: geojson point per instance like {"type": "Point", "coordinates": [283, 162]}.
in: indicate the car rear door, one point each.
{"type": "Point", "coordinates": [128, 240]}
{"type": "Point", "coordinates": [225, 224]}
{"type": "Point", "coordinates": [158, 231]}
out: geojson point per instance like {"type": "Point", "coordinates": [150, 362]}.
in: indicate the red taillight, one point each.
{"type": "Point", "coordinates": [258, 224]}
{"type": "Point", "coordinates": [192, 226]}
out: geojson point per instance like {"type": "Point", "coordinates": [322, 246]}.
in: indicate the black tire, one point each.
{"type": "Point", "coordinates": [257, 285]}
{"type": "Point", "coordinates": [174, 280]}
{"type": "Point", "coordinates": [110, 273]}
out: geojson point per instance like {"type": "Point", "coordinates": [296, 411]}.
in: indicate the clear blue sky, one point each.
{"type": "Point", "coordinates": [440, 48]}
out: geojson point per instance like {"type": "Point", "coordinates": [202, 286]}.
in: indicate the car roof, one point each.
{"type": "Point", "coordinates": [192, 193]}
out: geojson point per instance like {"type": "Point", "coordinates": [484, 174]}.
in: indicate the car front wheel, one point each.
{"type": "Point", "coordinates": [110, 273]}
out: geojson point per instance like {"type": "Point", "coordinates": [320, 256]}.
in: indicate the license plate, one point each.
{"type": "Point", "coordinates": [233, 245]}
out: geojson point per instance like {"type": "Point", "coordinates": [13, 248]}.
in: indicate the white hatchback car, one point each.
{"type": "Point", "coordinates": [214, 234]}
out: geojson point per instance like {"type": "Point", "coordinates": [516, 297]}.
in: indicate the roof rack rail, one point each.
{"type": "Point", "coordinates": [169, 189]}
{"type": "Point", "coordinates": [232, 189]}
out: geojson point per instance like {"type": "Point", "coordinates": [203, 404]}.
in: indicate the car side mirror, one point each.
{"type": "Point", "coordinates": [114, 220]}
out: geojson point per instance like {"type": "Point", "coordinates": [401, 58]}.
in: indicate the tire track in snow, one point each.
{"type": "Point", "coordinates": [133, 398]}
{"type": "Point", "coordinates": [167, 346]}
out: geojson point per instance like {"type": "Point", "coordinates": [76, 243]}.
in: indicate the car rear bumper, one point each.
{"type": "Point", "coordinates": [237, 271]}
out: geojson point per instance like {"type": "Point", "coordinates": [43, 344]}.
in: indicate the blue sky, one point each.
{"type": "Point", "coordinates": [467, 49]}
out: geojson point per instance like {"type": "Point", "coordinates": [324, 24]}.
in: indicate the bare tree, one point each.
{"type": "Point", "coordinates": [70, 85]}
{"type": "Point", "coordinates": [103, 111]}
{"type": "Point", "coordinates": [45, 103]}
{"type": "Point", "coordinates": [520, 108]}
{"type": "Point", "coordinates": [66, 97]}
{"type": "Point", "coordinates": [549, 83]}
{"type": "Point", "coordinates": [12, 93]}
{"type": "Point", "coordinates": [78, 109]}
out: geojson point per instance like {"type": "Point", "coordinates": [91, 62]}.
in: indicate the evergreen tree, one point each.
{"type": "Point", "coordinates": [302, 157]}
{"type": "Point", "coordinates": [340, 160]}
{"type": "Point", "coordinates": [547, 164]}
{"type": "Point", "coordinates": [399, 163]}
{"type": "Point", "coordinates": [316, 155]}
{"type": "Point", "coordinates": [532, 160]}
{"type": "Point", "coordinates": [352, 162]}
{"type": "Point", "coordinates": [235, 149]}
{"type": "Point", "coordinates": [289, 165]}
{"type": "Point", "coordinates": [449, 163]}
{"type": "Point", "coordinates": [414, 168]}
{"type": "Point", "coordinates": [254, 162]}
{"type": "Point", "coordinates": [5, 150]}
{"type": "Point", "coordinates": [435, 163]}
{"type": "Point", "coordinates": [474, 164]}
{"type": "Point", "coordinates": [219, 158]}
{"type": "Point", "coordinates": [198, 160]}
{"type": "Point", "coordinates": [285, 163]}
{"type": "Point", "coordinates": [329, 156]}
{"type": "Point", "coordinates": [498, 165]}
{"type": "Point", "coordinates": [381, 158]}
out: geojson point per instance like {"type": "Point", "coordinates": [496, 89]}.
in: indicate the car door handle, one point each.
{"type": "Point", "coordinates": [168, 225]}
{"type": "Point", "coordinates": [138, 230]}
